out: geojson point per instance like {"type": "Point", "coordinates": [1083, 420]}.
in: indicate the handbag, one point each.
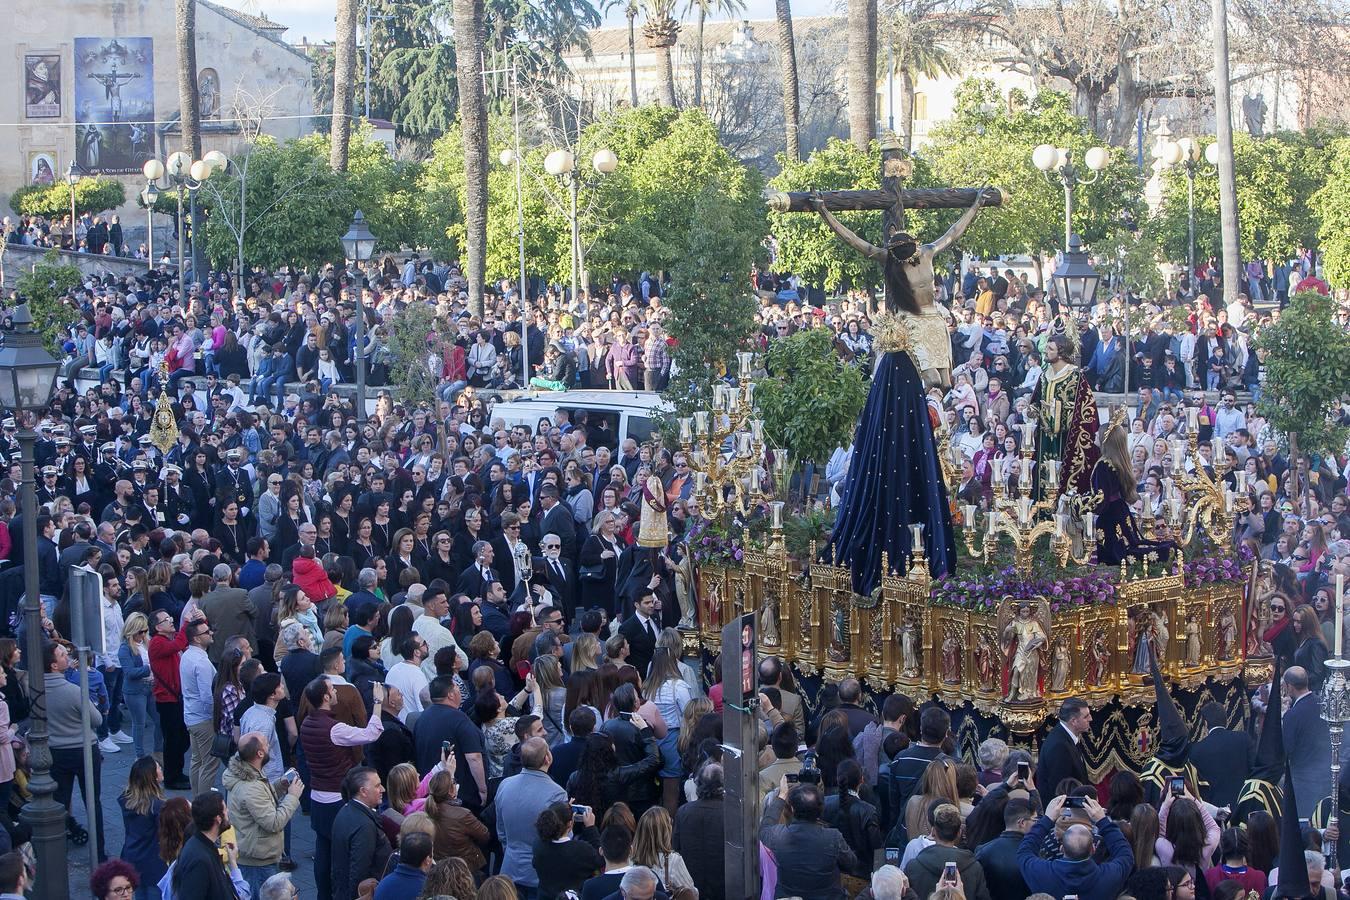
{"type": "Point", "coordinates": [222, 746]}
{"type": "Point", "coordinates": [592, 573]}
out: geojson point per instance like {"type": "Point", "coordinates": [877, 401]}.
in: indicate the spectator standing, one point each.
{"type": "Point", "coordinates": [1076, 872]}
{"type": "Point", "coordinates": [810, 855]}
{"type": "Point", "coordinates": [138, 687]}
{"type": "Point", "coordinates": [699, 833]}
{"type": "Point", "coordinates": [443, 721]}
{"type": "Point", "coordinates": [259, 809]}
{"type": "Point", "coordinates": [166, 648]}
{"type": "Point", "coordinates": [998, 858]}
{"type": "Point", "coordinates": [197, 676]}
{"type": "Point", "coordinates": [65, 726]}
{"type": "Point", "coordinates": [519, 801]}
{"type": "Point", "coordinates": [565, 855]}
{"type": "Point", "coordinates": [925, 871]}
{"type": "Point", "coordinates": [360, 846]}
{"type": "Point", "coordinates": [198, 873]}
{"type": "Point", "coordinates": [141, 803]}
{"type": "Point", "coordinates": [229, 612]}
{"type": "Point", "coordinates": [332, 749]}
{"type": "Point", "coordinates": [409, 876]}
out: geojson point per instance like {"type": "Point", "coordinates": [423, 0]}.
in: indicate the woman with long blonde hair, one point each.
{"type": "Point", "coordinates": [653, 848]}
{"type": "Point", "coordinates": [937, 784]}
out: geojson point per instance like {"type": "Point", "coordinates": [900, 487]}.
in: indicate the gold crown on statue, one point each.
{"type": "Point", "coordinates": [1119, 417]}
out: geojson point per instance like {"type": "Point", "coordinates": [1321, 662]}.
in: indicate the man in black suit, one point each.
{"type": "Point", "coordinates": [1307, 742]}
{"type": "Point", "coordinates": [641, 629]}
{"type": "Point", "coordinates": [477, 578]}
{"type": "Point", "coordinates": [557, 520]}
{"type": "Point", "coordinates": [1062, 750]}
{"type": "Point", "coordinates": [559, 575]}
{"type": "Point", "coordinates": [1221, 758]}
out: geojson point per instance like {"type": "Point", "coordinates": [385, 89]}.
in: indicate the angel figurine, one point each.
{"type": "Point", "coordinates": [1060, 662]}
{"type": "Point", "coordinates": [880, 500]}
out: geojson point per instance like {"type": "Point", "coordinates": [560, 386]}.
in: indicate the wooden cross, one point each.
{"type": "Point", "coordinates": [893, 198]}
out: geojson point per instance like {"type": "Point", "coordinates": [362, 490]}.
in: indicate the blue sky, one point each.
{"type": "Point", "coordinates": [313, 19]}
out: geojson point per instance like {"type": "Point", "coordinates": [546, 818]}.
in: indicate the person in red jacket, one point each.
{"type": "Point", "coordinates": [165, 648]}
{"type": "Point", "coordinates": [309, 576]}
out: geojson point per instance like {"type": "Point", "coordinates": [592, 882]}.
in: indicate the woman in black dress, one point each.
{"type": "Point", "coordinates": [599, 561]}
{"type": "Point", "coordinates": [362, 550]}
{"type": "Point", "coordinates": [399, 560]}
{"type": "Point", "coordinates": [201, 481]}
{"type": "Point", "coordinates": [342, 521]}
{"type": "Point", "coordinates": [439, 564]}
{"type": "Point", "coordinates": [233, 533]}
{"type": "Point", "coordinates": [293, 515]}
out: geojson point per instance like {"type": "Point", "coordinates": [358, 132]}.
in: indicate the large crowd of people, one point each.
{"type": "Point", "coordinates": [441, 644]}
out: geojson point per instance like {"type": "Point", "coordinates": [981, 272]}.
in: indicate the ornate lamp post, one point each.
{"type": "Point", "coordinates": [1074, 279]}
{"type": "Point", "coordinates": [1050, 159]}
{"type": "Point", "coordinates": [27, 375]}
{"type": "Point", "coordinates": [358, 244]}
{"type": "Point", "coordinates": [1336, 708]}
{"type": "Point", "coordinates": [153, 171]}
{"type": "Point", "coordinates": [1186, 153]}
{"type": "Point", "coordinates": [561, 164]}
{"type": "Point", "coordinates": [73, 177]}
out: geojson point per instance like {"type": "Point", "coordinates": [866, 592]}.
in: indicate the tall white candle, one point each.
{"type": "Point", "coordinates": [970, 515]}
{"type": "Point", "coordinates": [1340, 611]}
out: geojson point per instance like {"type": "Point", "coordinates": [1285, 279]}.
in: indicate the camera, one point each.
{"type": "Point", "coordinates": [809, 774]}
{"type": "Point", "coordinates": [792, 777]}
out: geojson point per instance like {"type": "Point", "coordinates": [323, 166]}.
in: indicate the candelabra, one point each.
{"type": "Point", "coordinates": [1025, 520]}
{"type": "Point", "coordinates": [1201, 499]}
{"type": "Point", "coordinates": [727, 452]}
{"type": "Point", "coordinates": [1336, 709]}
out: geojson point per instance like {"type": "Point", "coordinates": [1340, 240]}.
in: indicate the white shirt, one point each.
{"type": "Point", "coordinates": [410, 681]}
{"type": "Point", "coordinates": [437, 636]}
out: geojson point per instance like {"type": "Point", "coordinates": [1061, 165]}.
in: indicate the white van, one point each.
{"type": "Point", "coordinates": [624, 413]}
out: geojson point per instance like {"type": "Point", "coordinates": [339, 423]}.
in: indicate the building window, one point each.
{"type": "Point", "coordinates": [208, 94]}
{"type": "Point", "coordinates": [921, 107]}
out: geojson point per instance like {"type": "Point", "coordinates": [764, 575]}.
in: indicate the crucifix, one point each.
{"type": "Point", "coordinates": [896, 246]}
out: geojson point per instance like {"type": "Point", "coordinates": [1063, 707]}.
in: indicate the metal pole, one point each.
{"type": "Point", "coordinates": [1190, 230]}
{"type": "Point", "coordinates": [358, 357]}
{"type": "Point", "coordinates": [576, 242]}
{"type": "Point", "coordinates": [1067, 175]}
{"type": "Point", "coordinates": [181, 293]}
{"type": "Point", "coordinates": [520, 229]}
{"type": "Point", "coordinates": [43, 815]}
{"type": "Point", "coordinates": [368, 2]}
{"type": "Point", "coordinates": [192, 217]}
{"type": "Point", "coordinates": [74, 240]}
{"type": "Point", "coordinates": [890, 90]}
{"type": "Point", "coordinates": [149, 237]}
{"type": "Point", "coordinates": [82, 648]}
{"type": "Point", "coordinates": [1336, 709]}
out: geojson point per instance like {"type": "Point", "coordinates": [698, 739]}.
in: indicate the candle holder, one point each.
{"type": "Point", "coordinates": [1209, 506]}
{"type": "Point", "coordinates": [728, 453]}
{"type": "Point", "coordinates": [1336, 709]}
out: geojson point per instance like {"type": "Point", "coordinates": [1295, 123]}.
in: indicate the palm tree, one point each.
{"type": "Point", "coordinates": [703, 9]}
{"type": "Point", "coordinates": [862, 71]}
{"type": "Point", "coordinates": [631, 11]}
{"type": "Point", "coordinates": [469, 44]}
{"type": "Point", "coordinates": [661, 32]}
{"type": "Point", "coordinates": [915, 53]}
{"type": "Point", "coordinates": [189, 104]}
{"type": "Point", "coordinates": [787, 58]}
{"type": "Point", "coordinates": [344, 83]}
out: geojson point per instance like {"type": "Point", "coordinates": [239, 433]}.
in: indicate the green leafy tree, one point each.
{"type": "Point", "coordinates": [409, 374]}
{"type": "Point", "coordinates": [45, 289]}
{"type": "Point", "coordinates": [1330, 205]}
{"type": "Point", "coordinates": [990, 140]}
{"type": "Point", "coordinates": [712, 307]}
{"type": "Point", "coordinates": [1306, 358]}
{"type": "Point", "coordinates": [92, 195]}
{"type": "Point", "coordinates": [810, 399]}
{"type": "Point", "coordinates": [1277, 177]}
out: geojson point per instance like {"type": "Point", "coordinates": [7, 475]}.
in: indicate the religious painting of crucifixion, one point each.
{"type": "Point", "coordinates": [114, 104]}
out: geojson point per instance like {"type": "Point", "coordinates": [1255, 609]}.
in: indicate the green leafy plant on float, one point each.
{"type": "Point", "coordinates": [810, 399]}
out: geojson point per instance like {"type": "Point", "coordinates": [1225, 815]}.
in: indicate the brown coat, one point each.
{"type": "Point", "coordinates": [459, 833]}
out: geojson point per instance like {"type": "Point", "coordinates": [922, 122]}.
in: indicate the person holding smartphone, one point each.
{"type": "Point", "coordinates": [1077, 872]}
{"type": "Point", "coordinates": [259, 809]}
{"type": "Point", "coordinates": [944, 864]}
{"type": "Point", "coordinates": [811, 855]}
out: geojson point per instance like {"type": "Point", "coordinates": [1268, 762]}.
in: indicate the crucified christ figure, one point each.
{"type": "Point", "coordinates": [895, 478]}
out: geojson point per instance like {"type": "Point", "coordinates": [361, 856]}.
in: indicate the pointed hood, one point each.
{"type": "Point", "coordinates": [1174, 740]}
{"type": "Point", "coordinates": [1293, 868]}
{"type": "Point", "coordinates": [1269, 765]}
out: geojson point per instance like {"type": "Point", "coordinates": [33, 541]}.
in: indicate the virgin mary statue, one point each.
{"type": "Point", "coordinates": [895, 479]}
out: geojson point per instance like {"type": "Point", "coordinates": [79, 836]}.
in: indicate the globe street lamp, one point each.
{"type": "Point", "coordinates": [1050, 159]}
{"type": "Point", "coordinates": [358, 245]}
{"type": "Point", "coordinates": [187, 174]}
{"type": "Point", "coordinates": [561, 164]}
{"type": "Point", "coordinates": [27, 375]}
{"type": "Point", "coordinates": [1186, 153]}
